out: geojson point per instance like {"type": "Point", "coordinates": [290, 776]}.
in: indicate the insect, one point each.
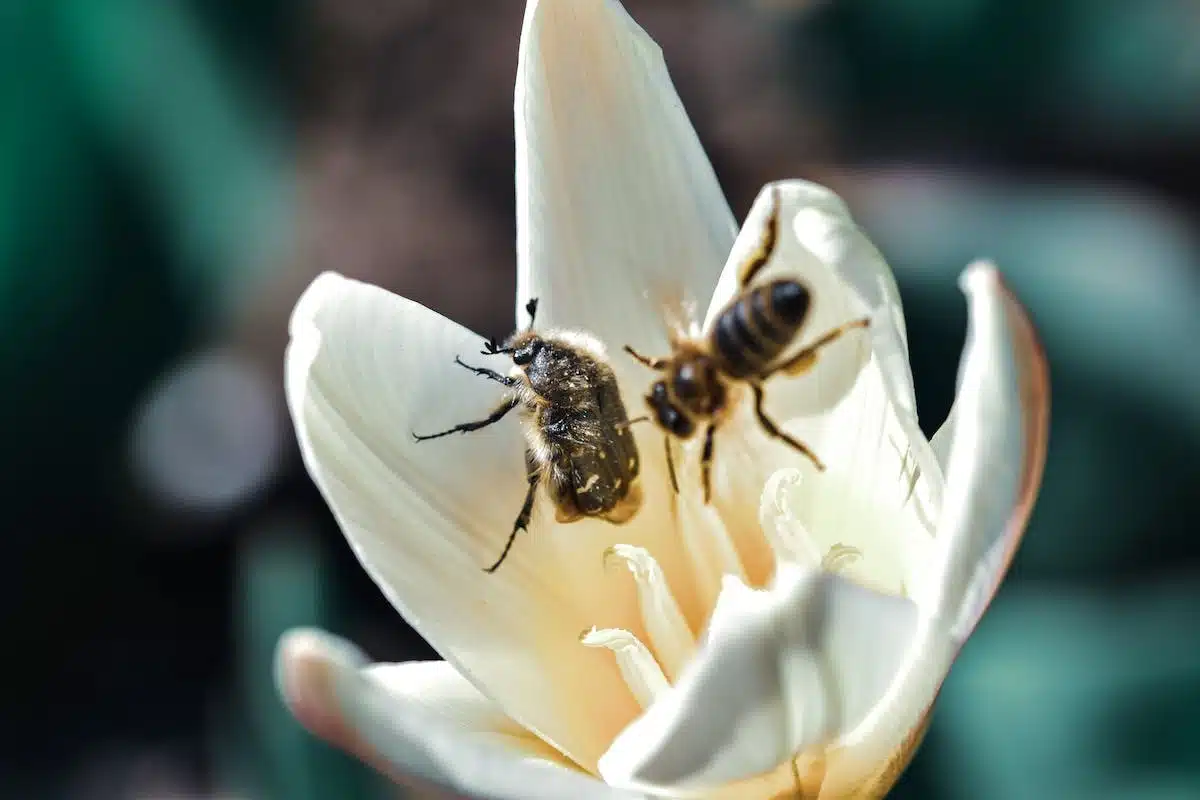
{"type": "Point", "coordinates": [743, 345]}
{"type": "Point", "coordinates": [577, 431]}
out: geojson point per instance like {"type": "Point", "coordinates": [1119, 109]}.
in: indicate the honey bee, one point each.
{"type": "Point", "coordinates": [577, 431]}
{"type": "Point", "coordinates": [743, 345]}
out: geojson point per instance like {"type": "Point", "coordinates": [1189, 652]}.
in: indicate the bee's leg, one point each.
{"type": "Point", "coordinates": [467, 427]}
{"type": "Point", "coordinates": [490, 374]}
{"type": "Point", "coordinates": [534, 476]}
{"type": "Point", "coordinates": [773, 430]}
{"type": "Point", "coordinates": [706, 458]}
{"type": "Point", "coordinates": [806, 359]}
{"type": "Point", "coordinates": [652, 363]}
{"type": "Point", "coordinates": [766, 246]}
{"type": "Point", "coordinates": [671, 464]}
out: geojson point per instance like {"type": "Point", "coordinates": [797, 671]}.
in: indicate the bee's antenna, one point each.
{"type": "Point", "coordinates": [531, 309]}
{"type": "Point", "coordinates": [631, 422]}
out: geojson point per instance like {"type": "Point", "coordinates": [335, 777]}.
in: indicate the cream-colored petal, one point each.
{"type": "Point", "coordinates": [997, 454]}
{"type": "Point", "coordinates": [665, 623]}
{"type": "Point", "coordinates": [826, 228]}
{"type": "Point", "coordinates": [873, 494]}
{"type": "Point", "coordinates": [782, 672]}
{"type": "Point", "coordinates": [440, 690]}
{"type": "Point", "coordinates": [421, 725]}
{"type": "Point", "coordinates": [365, 369]}
{"type": "Point", "coordinates": [618, 208]}
{"type": "Point", "coordinates": [837, 526]}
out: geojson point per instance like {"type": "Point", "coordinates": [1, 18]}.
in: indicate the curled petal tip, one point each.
{"type": "Point", "coordinates": [309, 304]}
{"type": "Point", "coordinates": [308, 663]}
{"type": "Point", "coordinates": [997, 452]}
{"type": "Point", "coordinates": [977, 273]}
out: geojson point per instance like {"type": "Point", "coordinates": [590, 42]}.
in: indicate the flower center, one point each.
{"type": "Point", "coordinates": [814, 520]}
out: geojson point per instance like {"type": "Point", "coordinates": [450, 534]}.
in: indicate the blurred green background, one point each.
{"type": "Point", "coordinates": [173, 173]}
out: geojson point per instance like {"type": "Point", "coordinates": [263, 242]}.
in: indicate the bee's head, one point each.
{"type": "Point", "coordinates": [696, 385]}
{"type": "Point", "coordinates": [670, 417]}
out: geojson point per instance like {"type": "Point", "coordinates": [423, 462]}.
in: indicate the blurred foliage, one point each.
{"type": "Point", "coordinates": [148, 168]}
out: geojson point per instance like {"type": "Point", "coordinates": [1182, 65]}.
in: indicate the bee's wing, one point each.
{"type": "Point", "coordinates": [678, 309]}
{"type": "Point", "coordinates": [679, 314]}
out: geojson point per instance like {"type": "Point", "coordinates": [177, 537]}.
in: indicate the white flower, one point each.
{"type": "Point", "coordinates": [796, 629]}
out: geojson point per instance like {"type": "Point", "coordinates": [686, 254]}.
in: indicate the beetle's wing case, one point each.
{"type": "Point", "coordinates": [621, 450]}
{"type": "Point", "coordinates": [615, 421]}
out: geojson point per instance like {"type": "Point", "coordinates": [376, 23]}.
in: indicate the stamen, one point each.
{"type": "Point", "coordinates": [641, 672]}
{"type": "Point", "coordinates": [783, 529]}
{"type": "Point", "coordinates": [669, 632]}
{"type": "Point", "coordinates": [839, 557]}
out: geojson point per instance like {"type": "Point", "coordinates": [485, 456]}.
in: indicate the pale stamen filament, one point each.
{"type": "Point", "coordinates": [708, 543]}
{"type": "Point", "coordinates": [670, 635]}
{"type": "Point", "coordinates": [641, 672]}
{"type": "Point", "coordinates": [840, 557]}
{"type": "Point", "coordinates": [783, 529]}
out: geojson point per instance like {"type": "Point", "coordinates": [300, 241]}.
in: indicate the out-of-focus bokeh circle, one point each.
{"type": "Point", "coordinates": [210, 435]}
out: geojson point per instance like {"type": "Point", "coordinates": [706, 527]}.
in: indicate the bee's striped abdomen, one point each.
{"type": "Point", "coordinates": [756, 328]}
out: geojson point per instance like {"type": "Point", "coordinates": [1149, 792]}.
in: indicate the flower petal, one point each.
{"type": "Point", "coordinates": [364, 369]}
{"type": "Point", "coordinates": [782, 672]}
{"type": "Point", "coordinates": [998, 451]}
{"type": "Point", "coordinates": [829, 522]}
{"type": "Point", "coordinates": [437, 688]}
{"type": "Point", "coordinates": [420, 724]}
{"type": "Point", "coordinates": [873, 494]}
{"type": "Point", "coordinates": [827, 230]}
{"type": "Point", "coordinates": [618, 208]}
